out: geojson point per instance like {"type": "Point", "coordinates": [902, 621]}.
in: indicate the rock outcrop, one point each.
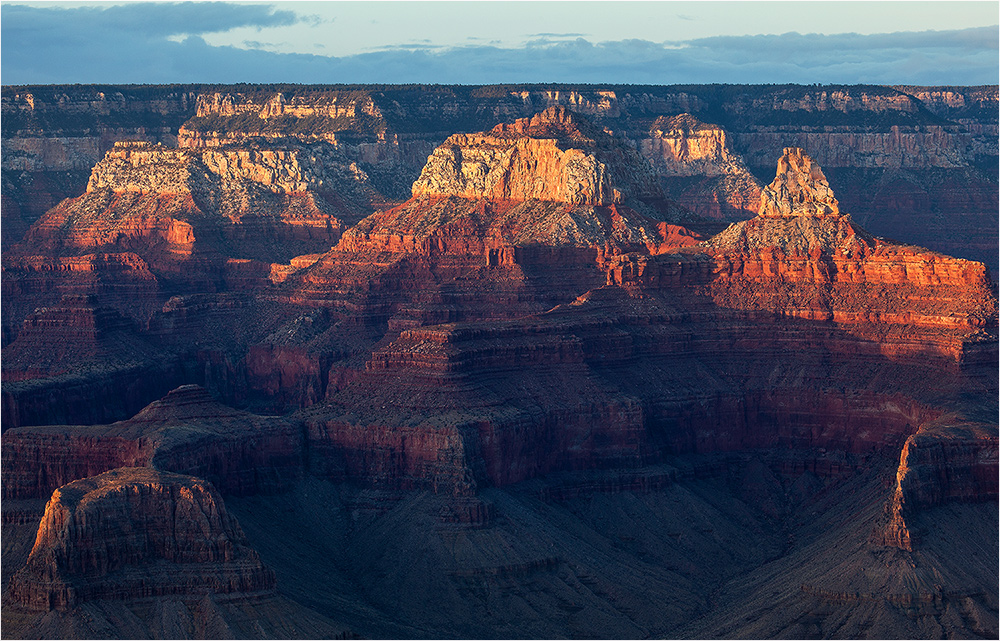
{"type": "Point", "coordinates": [697, 166]}
{"type": "Point", "coordinates": [861, 135]}
{"type": "Point", "coordinates": [185, 432]}
{"type": "Point", "coordinates": [554, 155]}
{"type": "Point", "coordinates": [135, 533]}
{"type": "Point", "coordinates": [53, 136]}
{"type": "Point", "coordinates": [553, 179]}
{"type": "Point", "coordinates": [79, 361]}
{"type": "Point", "coordinates": [535, 361]}
{"type": "Point", "coordinates": [944, 462]}
{"type": "Point", "coordinates": [494, 230]}
{"type": "Point", "coordinates": [801, 268]}
{"type": "Point", "coordinates": [158, 221]}
{"type": "Point", "coordinates": [225, 118]}
{"type": "Point", "coordinates": [143, 196]}
{"type": "Point", "coordinates": [121, 281]}
{"type": "Point", "coordinates": [799, 189]}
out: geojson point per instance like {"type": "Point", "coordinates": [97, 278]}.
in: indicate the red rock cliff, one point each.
{"type": "Point", "coordinates": [134, 533]}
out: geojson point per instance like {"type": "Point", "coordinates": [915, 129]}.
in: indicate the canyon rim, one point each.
{"type": "Point", "coordinates": [343, 320]}
{"type": "Point", "coordinates": [536, 361]}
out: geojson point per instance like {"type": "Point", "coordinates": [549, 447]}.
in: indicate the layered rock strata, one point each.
{"type": "Point", "coordinates": [79, 361]}
{"type": "Point", "coordinates": [944, 462]}
{"type": "Point", "coordinates": [158, 221]}
{"type": "Point", "coordinates": [185, 432]}
{"type": "Point", "coordinates": [554, 155]}
{"type": "Point", "coordinates": [501, 224]}
{"type": "Point", "coordinates": [898, 148]}
{"type": "Point", "coordinates": [485, 348]}
{"type": "Point", "coordinates": [147, 196]}
{"type": "Point", "coordinates": [801, 269]}
{"type": "Point", "coordinates": [134, 533]}
{"type": "Point", "coordinates": [53, 136]}
{"type": "Point", "coordinates": [511, 177]}
{"type": "Point", "coordinates": [697, 166]}
{"type": "Point", "coordinates": [121, 281]}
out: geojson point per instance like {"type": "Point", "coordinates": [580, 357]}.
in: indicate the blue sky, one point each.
{"type": "Point", "coordinates": [493, 42]}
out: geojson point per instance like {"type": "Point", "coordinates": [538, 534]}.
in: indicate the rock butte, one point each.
{"type": "Point", "coordinates": [101, 537]}
{"type": "Point", "coordinates": [538, 393]}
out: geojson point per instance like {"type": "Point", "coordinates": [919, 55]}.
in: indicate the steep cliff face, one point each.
{"type": "Point", "coordinates": [185, 432]}
{"type": "Point", "coordinates": [896, 166]}
{"type": "Point", "coordinates": [553, 155]}
{"type": "Point", "coordinates": [551, 363]}
{"type": "Point", "coordinates": [499, 226]}
{"type": "Point", "coordinates": [121, 281]}
{"type": "Point", "coordinates": [477, 411]}
{"type": "Point", "coordinates": [799, 189]}
{"type": "Point", "coordinates": [872, 131]}
{"type": "Point", "coordinates": [140, 191]}
{"type": "Point", "coordinates": [57, 339]}
{"type": "Point", "coordinates": [698, 167]}
{"type": "Point", "coordinates": [49, 128]}
{"type": "Point", "coordinates": [137, 532]}
{"type": "Point", "coordinates": [348, 120]}
{"type": "Point", "coordinates": [961, 103]}
{"type": "Point", "coordinates": [53, 136]}
{"type": "Point", "coordinates": [156, 221]}
{"type": "Point", "coordinates": [927, 148]}
{"type": "Point", "coordinates": [228, 117]}
{"type": "Point", "coordinates": [79, 361]}
{"type": "Point", "coordinates": [553, 179]}
{"type": "Point", "coordinates": [800, 237]}
{"type": "Point", "coordinates": [800, 240]}
{"type": "Point", "coordinates": [944, 462]}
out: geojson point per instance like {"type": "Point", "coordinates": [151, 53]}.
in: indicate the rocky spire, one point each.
{"type": "Point", "coordinates": [799, 189]}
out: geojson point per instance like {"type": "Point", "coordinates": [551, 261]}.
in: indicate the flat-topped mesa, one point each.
{"type": "Point", "coordinates": [133, 166]}
{"type": "Point", "coordinates": [137, 533]}
{"type": "Point", "coordinates": [555, 155]}
{"type": "Point", "coordinates": [167, 204]}
{"type": "Point", "coordinates": [327, 114]}
{"type": "Point", "coordinates": [799, 188]}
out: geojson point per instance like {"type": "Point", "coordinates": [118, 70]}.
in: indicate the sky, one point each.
{"type": "Point", "coordinates": [927, 43]}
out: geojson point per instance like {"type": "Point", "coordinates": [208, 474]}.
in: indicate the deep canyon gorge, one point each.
{"type": "Point", "coordinates": [532, 361]}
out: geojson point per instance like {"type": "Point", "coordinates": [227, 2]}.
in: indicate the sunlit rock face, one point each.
{"type": "Point", "coordinates": [554, 155]}
{"type": "Point", "coordinates": [537, 388]}
{"type": "Point", "coordinates": [799, 189]}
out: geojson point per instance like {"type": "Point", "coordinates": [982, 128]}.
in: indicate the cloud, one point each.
{"type": "Point", "coordinates": [978, 38]}
{"type": "Point", "coordinates": [315, 21]}
{"type": "Point", "coordinates": [406, 47]}
{"type": "Point", "coordinates": [147, 20]}
{"type": "Point", "coordinates": [257, 44]}
{"type": "Point", "coordinates": [557, 35]}
{"type": "Point", "coordinates": [119, 41]}
{"type": "Point", "coordinates": [155, 43]}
